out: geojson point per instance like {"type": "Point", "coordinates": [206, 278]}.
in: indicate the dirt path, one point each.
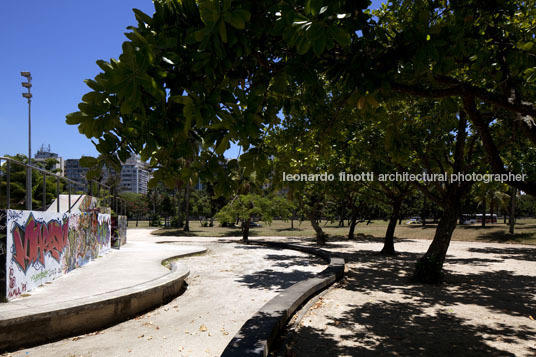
{"type": "Point", "coordinates": [487, 307]}
{"type": "Point", "coordinates": [225, 287]}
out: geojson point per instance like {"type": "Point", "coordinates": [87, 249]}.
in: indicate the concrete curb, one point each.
{"type": "Point", "coordinates": [257, 335]}
{"type": "Point", "coordinates": [43, 324]}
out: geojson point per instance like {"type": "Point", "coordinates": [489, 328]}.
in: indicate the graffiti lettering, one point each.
{"type": "Point", "coordinates": [37, 239]}
{"type": "Point", "coordinates": [42, 246]}
{"type": "Point", "coordinates": [12, 279]}
{"type": "Point", "coordinates": [40, 275]}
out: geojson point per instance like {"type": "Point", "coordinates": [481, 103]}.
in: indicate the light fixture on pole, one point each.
{"type": "Point", "coordinates": [28, 96]}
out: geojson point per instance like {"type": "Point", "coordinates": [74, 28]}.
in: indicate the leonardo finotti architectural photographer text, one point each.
{"type": "Point", "coordinates": [404, 176]}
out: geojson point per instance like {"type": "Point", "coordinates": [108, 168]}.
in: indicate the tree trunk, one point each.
{"type": "Point", "coordinates": [353, 223]}
{"type": "Point", "coordinates": [179, 204]}
{"type": "Point", "coordinates": [389, 243]}
{"type": "Point", "coordinates": [423, 212]}
{"type": "Point", "coordinates": [484, 212]}
{"type": "Point", "coordinates": [320, 235]}
{"type": "Point", "coordinates": [513, 210]}
{"type": "Point", "coordinates": [429, 268]}
{"type": "Point", "coordinates": [245, 230]}
{"type": "Point", "coordinates": [187, 209]}
{"type": "Point", "coordinates": [491, 212]}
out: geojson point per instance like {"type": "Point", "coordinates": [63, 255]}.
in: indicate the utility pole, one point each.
{"type": "Point", "coordinates": [29, 169]}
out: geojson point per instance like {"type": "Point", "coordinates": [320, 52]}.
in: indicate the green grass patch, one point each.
{"type": "Point", "coordinates": [525, 231]}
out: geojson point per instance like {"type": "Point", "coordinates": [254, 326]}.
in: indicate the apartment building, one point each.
{"type": "Point", "coordinates": [134, 176]}
{"type": "Point", "coordinates": [44, 154]}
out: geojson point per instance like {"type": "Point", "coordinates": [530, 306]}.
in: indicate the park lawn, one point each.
{"type": "Point", "coordinates": [141, 224]}
{"type": "Point", "coordinates": [525, 231]}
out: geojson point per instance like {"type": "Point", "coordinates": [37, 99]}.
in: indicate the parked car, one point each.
{"type": "Point", "coordinates": [414, 220]}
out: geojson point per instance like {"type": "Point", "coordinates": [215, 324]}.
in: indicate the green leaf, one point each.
{"type": "Point", "coordinates": [340, 35]}
{"type": "Point", "coordinates": [528, 46]}
{"type": "Point", "coordinates": [303, 45]}
{"type": "Point", "coordinates": [222, 146]}
{"type": "Point", "coordinates": [209, 11]}
{"type": "Point", "coordinates": [105, 66]}
{"type": "Point", "coordinates": [372, 101]}
{"type": "Point", "coordinates": [88, 161]}
{"type": "Point", "coordinates": [143, 17]}
{"type": "Point", "coordinates": [244, 14]}
{"type": "Point", "coordinates": [181, 99]}
{"type": "Point", "coordinates": [76, 118]}
{"type": "Point", "coordinates": [319, 44]}
{"type": "Point", "coordinates": [95, 85]}
{"type": "Point", "coordinates": [361, 103]}
{"type": "Point", "coordinates": [235, 19]}
{"type": "Point", "coordinates": [223, 31]}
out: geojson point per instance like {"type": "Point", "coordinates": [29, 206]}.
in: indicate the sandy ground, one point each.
{"type": "Point", "coordinates": [226, 286]}
{"type": "Point", "coordinates": [486, 307]}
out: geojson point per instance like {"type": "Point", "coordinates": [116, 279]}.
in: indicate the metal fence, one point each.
{"type": "Point", "coordinates": [105, 193]}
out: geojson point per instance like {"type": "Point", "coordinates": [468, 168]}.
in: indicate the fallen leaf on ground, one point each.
{"type": "Point", "coordinates": [203, 328]}
{"type": "Point", "coordinates": [141, 336]}
{"type": "Point", "coordinates": [76, 338]}
{"type": "Point", "coordinates": [530, 317]}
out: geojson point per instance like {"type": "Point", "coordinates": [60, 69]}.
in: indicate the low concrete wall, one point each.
{"type": "Point", "coordinates": [257, 335]}
{"type": "Point", "coordinates": [3, 253]}
{"type": "Point", "coordinates": [54, 321]}
{"type": "Point", "coordinates": [119, 231]}
{"type": "Point", "coordinates": [42, 246]}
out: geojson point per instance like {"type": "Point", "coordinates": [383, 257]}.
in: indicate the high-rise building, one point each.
{"type": "Point", "coordinates": [44, 154]}
{"type": "Point", "coordinates": [75, 172]}
{"type": "Point", "coordinates": [134, 174]}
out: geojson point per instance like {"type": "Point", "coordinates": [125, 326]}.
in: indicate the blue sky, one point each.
{"type": "Point", "coordinates": [58, 41]}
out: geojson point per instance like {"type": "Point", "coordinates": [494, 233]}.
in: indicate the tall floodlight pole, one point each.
{"type": "Point", "coordinates": [28, 170]}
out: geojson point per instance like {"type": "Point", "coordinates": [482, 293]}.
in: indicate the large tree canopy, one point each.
{"type": "Point", "coordinates": [200, 75]}
{"type": "Point", "coordinates": [208, 72]}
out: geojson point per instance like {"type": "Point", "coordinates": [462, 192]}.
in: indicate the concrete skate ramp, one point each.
{"type": "Point", "coordinates": [79, 203]}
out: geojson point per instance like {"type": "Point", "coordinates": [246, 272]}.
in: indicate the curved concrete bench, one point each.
{"type": "Point", "coordinates": [42, 324]}
{"type": "Point", "coordinates": [257, 335]}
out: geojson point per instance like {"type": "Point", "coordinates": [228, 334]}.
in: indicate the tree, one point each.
{"type": "Point", "coordinates": [216, 72]}
{"type": "Point", "coordinates": [18, 184]}
{"type": "Point", "coordinates": [479, 52]}
{"type": "Point", "coordinates": [446, 145]}
{"type": "Point", "coordinates": [137, 205]}
{"type": "Point", "coordinates": [246, 207]}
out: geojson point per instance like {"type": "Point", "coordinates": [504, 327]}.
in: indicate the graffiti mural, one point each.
{"type": "Point", "coordinates": [3, 252]}
{"type": "Point", "coordinates": [122, 224]}
{"type": "Point", "coordinates": [42, 246]}
{"type": "Point", "coordinates": [119, 230]}
{"type": "Point", "coordinates": [88, 203]}
{"type": "Point", "coordinates": [35, 239]}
